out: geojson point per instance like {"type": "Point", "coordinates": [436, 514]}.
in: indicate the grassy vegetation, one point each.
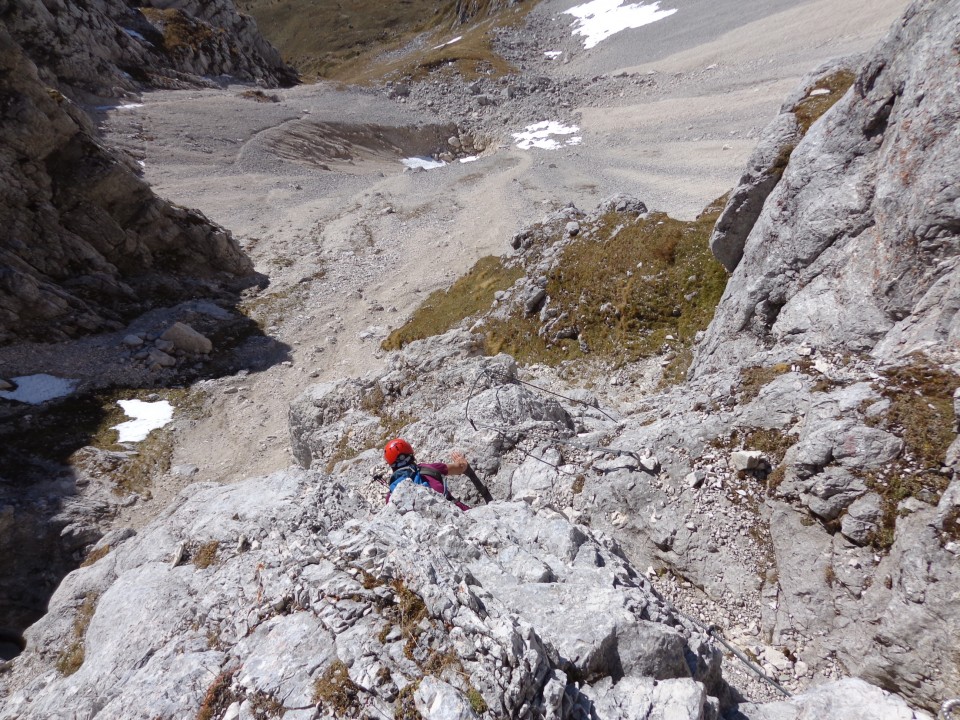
{"type": "Point", "coordinates": [72, 657]}
{"type": "Point", "coordinates": [921, 413]}
{"type": "Point", "coordinates": [631, 291]}
{"type": "Point", "coordinates": [404, 708]}
{"type": "Point", "coordinates": [754, 379]}
{"type": "Point", "coordinates": [772, 443]}
{"type": "Point", "coordinates": [95, 555]}
{"type": "Point", "coordinates": [338, 694]}
{"type": "Point", "coordinates": [813, 107]}
{"type": "Point", "coordinates": [364, 40]}
{"type": "Point", "coordinates": [206, 554]}
{"type": "Point", "coordinates": [218, 697]}
{"type": "Point", "coordinates": [444, 309]}
{"type": "Point", "coordinates": [477, 703]}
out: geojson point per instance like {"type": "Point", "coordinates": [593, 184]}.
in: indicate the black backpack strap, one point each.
{"type": "Point", "coordinates": [430, 472]}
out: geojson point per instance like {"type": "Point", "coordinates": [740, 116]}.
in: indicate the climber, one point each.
{"type": "Point", "coordinates": [399, 456]}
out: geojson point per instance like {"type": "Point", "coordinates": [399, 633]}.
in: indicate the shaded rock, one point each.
{"type": "Point", "coordinates": [187, 339]}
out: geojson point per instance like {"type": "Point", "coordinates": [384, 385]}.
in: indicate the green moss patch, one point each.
{"type": "Point", "coordinates": [631, 290]}
{"type": "Point", "coordinates": [444, 309]}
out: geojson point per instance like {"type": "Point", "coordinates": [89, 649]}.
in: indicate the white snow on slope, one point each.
{"type": "Point", "coordinates": [146, 416]}
{"type": "Point", "coordinates": [449, 42]}
{"type": "Point", "coordinates": [539, 134]}
{"type": "Point", "coordinates": [599, 19]}
{"type": "Point", "coordinates": [36, 389]}
{"type": "Point", "coordinates": [427, 163]}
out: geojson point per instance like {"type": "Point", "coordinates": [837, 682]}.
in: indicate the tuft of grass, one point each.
{"type": "Point", "coordinates": [812, 108]}
{"type": "Point", "coordinates": [206, 554]}
{"type": "Point", "coordinates": [266, 705]}
{"type": "Point", "coordinates": [405, 708]}
{"type": "Point", "coordinates": [772, 443]}
{"type": "Point", "coordinates": [337, 693]}
{"type": "Point", "coordinates": [444, 309]}
{"type": "Point", "coordinates": [921, 413]}
{"type": "Point", "coordinates": [921, 409]}
{"type": "Point", "coordinates": [476, 701]}
{"type": "Point", "coordinates": [754, 379]}
{"type": "Point", "coordinates": [218, 697]}
{"type": "Point", "coordinates": [620, 293]}
{"type": "Point", "coordinates": [95, 555]}
{"type": "Point", "coordinates": [72, 657]}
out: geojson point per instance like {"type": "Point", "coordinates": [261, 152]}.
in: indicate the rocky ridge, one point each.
{"type": "Point", "coordinates": [89, 246]}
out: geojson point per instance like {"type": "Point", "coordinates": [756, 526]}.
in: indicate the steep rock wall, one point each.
{"type": "Point", "coordinates": [104, 48]}
{"type": "Point", "coordinates": [86, 244]}
{"type": "Point", "coordinates": [859, 244]}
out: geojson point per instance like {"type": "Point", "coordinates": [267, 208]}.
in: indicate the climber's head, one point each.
{"type": "Point", "coordinates": [397, 451]}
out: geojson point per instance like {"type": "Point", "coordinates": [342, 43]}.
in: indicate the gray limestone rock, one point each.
{"type": "Point", "coordinates": [862, 518]}
{"type": "Point", "coordinates": [88, 243]}
{"type": "Point", "coordinates": [187, 339]}
{"type": "Point", "coordinates": [827, 263]}
{"type": "Point", "coordinates": [844, 700]}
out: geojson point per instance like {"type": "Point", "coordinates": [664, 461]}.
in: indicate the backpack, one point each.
{"type": "Point", "coordinates": [419, 477]}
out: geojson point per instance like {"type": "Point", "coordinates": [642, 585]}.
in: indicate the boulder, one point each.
{"type": "Point", "coordinates": [187, 339]}
{"type": "Point", "coordinates": [862, 519]}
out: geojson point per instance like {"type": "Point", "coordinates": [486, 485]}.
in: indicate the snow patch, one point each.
{"type": "Point", "coordinates": [599, 19]}
{"type": "Point", "coordinates": [469, 158]}
{"type": "Point", "coordinates": [135, 34]}
{"type": "Point", "coordinates": [553, 54]}
{"type": "Point", "coordinates": [449, 42]}
{"type": "Point", "coordinates": [146, 416]}
{"type": "Point", "coordinates": [36, 389]}
{"type": "Point", "coordinates": [539, 134]}
{"type": "Point", "coordinates": [427, 163]}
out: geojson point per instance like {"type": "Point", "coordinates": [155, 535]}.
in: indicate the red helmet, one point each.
{"type": "Point", "coordinates": [396, 448]}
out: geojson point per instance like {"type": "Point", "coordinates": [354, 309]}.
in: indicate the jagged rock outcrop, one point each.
{"type": "Point", "coordinates": [105, 48]}
{"type": "Point", "coordinates": [857, 247]}
{"type": "Point", "coordinates": [287, 593]}
{"type": "Point", "coordinates": [87, 245]}
{"type": "Point", "coordinates": [769, 159]}
{"type": "Point", "coordinates": [467, 10]}
{"type": "Point", "coordinates": [268, 584]}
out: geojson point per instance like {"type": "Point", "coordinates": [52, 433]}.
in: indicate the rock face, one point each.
{"type": "Point", "coordinates": [106, 47]}
{"type": "Point", "coordinates": [466, 10]}
{"type": "Point", "coordinates": [87, 244]}
{"type": "Point", "coordinates": [857, 247]}
{"type": "Point", "coordinates": [302, 579]}
{"type": "Point", "coordinates": [286, 592]}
